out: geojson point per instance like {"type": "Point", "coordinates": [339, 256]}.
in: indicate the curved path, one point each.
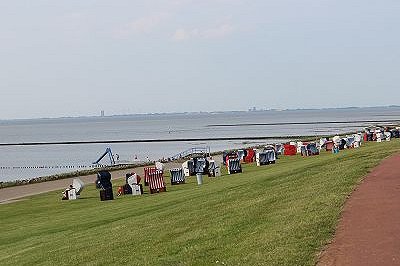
{"type": "Point", "coordinates": [369, 230]}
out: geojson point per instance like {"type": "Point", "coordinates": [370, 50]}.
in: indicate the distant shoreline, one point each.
{"type": "Point", "coordinates": [194, 113]}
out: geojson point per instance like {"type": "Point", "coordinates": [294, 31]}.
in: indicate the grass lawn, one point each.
{"type": "Point", "coordinates": [280, 214]}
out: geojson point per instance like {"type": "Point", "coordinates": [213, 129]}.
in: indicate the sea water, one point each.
{"type": "Point", "coordinates": [23, 162]}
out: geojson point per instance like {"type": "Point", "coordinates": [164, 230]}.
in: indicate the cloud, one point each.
{"type": "Point", "coordinates": [212, 33]}
{"type": "Point", "coordinates": [142, 25]}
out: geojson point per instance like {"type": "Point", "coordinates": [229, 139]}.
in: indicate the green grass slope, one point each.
{"type": "Point", "coordinates": [280, 214]}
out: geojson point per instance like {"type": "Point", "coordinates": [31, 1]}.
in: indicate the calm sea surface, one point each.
{"type": "Point", "coordinates": [19, 160]}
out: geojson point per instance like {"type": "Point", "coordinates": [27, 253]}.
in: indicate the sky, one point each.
{"type": "Point", "coordinates": [78, 57]}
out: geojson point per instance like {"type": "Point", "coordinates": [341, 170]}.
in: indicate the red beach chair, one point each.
{"type": "Point", "coordinates": [250, 156]}
{"type": "Point", "coordinates": [156, 182]}
{"type": "Point", "coordinates": [290, 149]}
{"type": "Point", "coordinates": [147, 171]}
{"type": "Point", "coordinates": [329, 145]}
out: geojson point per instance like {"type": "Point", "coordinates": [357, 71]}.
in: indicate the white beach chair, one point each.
{"type": "Point", "coordinates": [160, 166]}
{"type": "Point", "coordinates": [78, 184]}
{"type": "Point", "coordinates": [72, 194]}
{"type": "Point", "coordinates": [387, 136]}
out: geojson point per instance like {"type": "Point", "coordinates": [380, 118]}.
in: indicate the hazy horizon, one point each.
{"type": "Point", "coordinates": [76, 58]}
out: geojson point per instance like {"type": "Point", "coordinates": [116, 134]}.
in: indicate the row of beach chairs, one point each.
{"type": "Point", "coordinates": [154, 176]}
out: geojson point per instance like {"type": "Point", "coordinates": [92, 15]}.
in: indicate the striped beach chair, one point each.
{"type": "Point", "coordinates": [177, 176]}
{"type": "Point", "coordinates": [262, 158]}
{"type": "Point", "coordinates": [271, 155]}
{"type": "Point", "coordinates": [234, 166]}
{"type": "Point", "coordinates": [266, 157]}
{"type": "Point", "coordinates": [147, 171]}
{"type": "Point", "coordinates": [156, 182]}
{"type": "Point", "coordinates": [200, 165]}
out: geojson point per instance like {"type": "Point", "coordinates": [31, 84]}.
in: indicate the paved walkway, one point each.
{"type": "Point", "coordinates": [369, 230]}
{"type": "Point", "coordinates": [11, 194]}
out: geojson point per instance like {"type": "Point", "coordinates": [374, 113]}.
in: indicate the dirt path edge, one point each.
{"type": "Point", "coordinates": [368, 232]}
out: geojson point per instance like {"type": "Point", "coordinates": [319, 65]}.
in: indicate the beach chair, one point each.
{"type": "Point", "coordinates": [279, 149]}
{"type": "Point", "coordinates": [156, 182]}
{"type": "Point", "coordinates": [322, 142]}
{"type": "Point", "coordinates": [106, 194]}
{"type": "Point", "coordinates": [329, 145]}
{"type": "Point", "coordinates": [126, 188]}
{"type": "Point", "coordinates": [250, 156]}
{"type": "Point", "coordinates": [262, 158]}
{"type": "Point", "coordinates": [265, 157]}
{"type": "Point", "coordinates": [387, 135]}
{"type": "Point", "coordinates": [201, 165]}
{"type": "Point", "coordinates": [133, 184]}
{"type": "Point", "coordinates": [312, 149]}
{"type": "Point", "coordinates": [147, 171]}
{"type": "Point", "coordinates": [289, 150]}
{"type": "Point", "coordinates": [104, 180]}
{"type": "Point", "coordinates": [234, 166]}
{"type": "Point", "coordinates": [137, 190]}
{"type": "Point", "coordinates": [160, 166]}
{"type": "Point", "coordinates": [299, 145]}
{"type": "Point", "coordinates": [350, 141]}
{"type": "Point", "coordinates": [214, 169]}
{"type": "Point", "coordinates": [226, 155]}
{"type": "Point", "coordinates": [132, 178]}
{"type": "Point", "coordinates": [74, 190]}
{"type": "Point", "coordinates": [395, 133]}
{"type": "Point", "coordinates": [336, 140]}
{"type": "Point", "coordinates": [369, 136]}
{"type": "Point", "coordinates": [379, 136]}
{"type": "Point", "coordinates": [342, 144]}
{"type": "Point", "coordinates": [273, 157]}
{"type": "Point", "coordinates": [357, 140]}
{"type": "Point", "coordinates": [177, 176]}
{"type": "Point", "coordinates": [71, 194]}
{"type": "Point", "coordinates": [188, 168]}
{"type": "Point", "coordinates": [78, 185]}
{"type": "Point", "coordinates": [242, 154]}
